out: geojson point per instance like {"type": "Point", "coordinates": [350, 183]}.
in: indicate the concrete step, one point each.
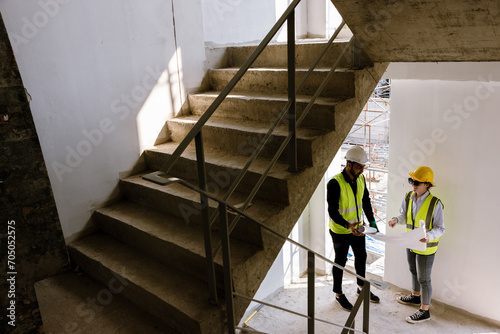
{"type": "Point", "coordinates": [306, 51]}
{"type": "Point", "coordinates": [73, 302]}
{"type": "Point", "coordinates": [275, 81]}
{"type": "Point", "coordinates": [243, 137]}
{"type": "Point", "coordinates": [178, 201]}
{"type": "Point", "coordinates": [222, 169]}
{"type": "Point", "coordinates": [265, 108]}
{"type": "Point", "coordinates": [167, 239]}
{"type": "Point", "coordinates": [177, 298]}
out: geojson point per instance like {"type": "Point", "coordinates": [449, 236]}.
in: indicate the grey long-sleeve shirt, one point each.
{"type": "Point", "coordinates": [438, 222]}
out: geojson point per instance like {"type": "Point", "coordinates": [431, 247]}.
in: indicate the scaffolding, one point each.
{"type": "Point", "coordinates": [371, 131]}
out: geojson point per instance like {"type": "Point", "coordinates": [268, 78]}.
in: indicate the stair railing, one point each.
{"type": "Point", "coordinates": [290, 139]}
{"type": "Point", "coordinates": [195, 133]}
{"type": "Point", "coordinates": [363, 298]}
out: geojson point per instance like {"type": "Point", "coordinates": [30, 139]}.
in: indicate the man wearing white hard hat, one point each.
{"type": "Point", "coordinates": [348, 198]}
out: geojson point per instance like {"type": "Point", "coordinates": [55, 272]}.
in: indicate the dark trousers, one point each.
{"type": "Point", "coordinates": [341, 243]}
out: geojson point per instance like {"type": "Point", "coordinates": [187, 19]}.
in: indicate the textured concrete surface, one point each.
{"type": "Point", "coordinates": [275, 81]}
{"type": "Point", "coordinates": [177, 298]}
{"type": "Point", "coordinates": [75, 303]}
{"type": "Point", "coordinates": [31, 240]}
{"type": "Point", "coordinates": [417, 30]}
{"type": "Point", "coordinates": [387, 317]}
{"type": "Point", "coordinates": [306, 54]}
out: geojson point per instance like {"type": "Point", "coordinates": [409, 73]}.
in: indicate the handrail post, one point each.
{"type": "Point", "coordinates": [228, 276]}
{"type": "Point", "coordinates": [366, 307]}
{"type": "Point", "coordinates": [291, 91]}
{"type": "Point", "coordinates": [310, 292]}
{"type": "Point", "coordinates": [202, 183]}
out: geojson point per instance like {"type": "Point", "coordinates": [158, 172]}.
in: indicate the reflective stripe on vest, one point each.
{"type": "Point", "coordinates": [350, 206]}
{"type": "Point", "coordinates": [426, 213]}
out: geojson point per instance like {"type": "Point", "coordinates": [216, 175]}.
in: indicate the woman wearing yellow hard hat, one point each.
{"type": "Point", "coordinates": [420, 205]}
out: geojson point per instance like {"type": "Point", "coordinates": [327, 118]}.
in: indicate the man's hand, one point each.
{"type": "Point", "coordinates": [353, 227]}
{"type": "Point", "coordinates": [393, 222]}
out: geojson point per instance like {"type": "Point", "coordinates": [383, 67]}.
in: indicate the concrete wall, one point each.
{"type": "Point", "coordinates": [27, 205]}
{"type": "Point", "coordinates": [424, 31]}
{"type": "Point", "coordinates": [103, 76]}
{"type": "Point", "coordinates": [449, 120]}
{"type": "Point", "coordinates": [238, 21]}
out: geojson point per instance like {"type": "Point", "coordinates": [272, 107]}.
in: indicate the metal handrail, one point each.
{"type": "Point", "coordinates": [290, 140]}
{"type": "Point", "coordinates": [287, 140]}
{"type": "Point", "coordinates": [196, 133]}
{"type": "Point", "coordinates": [223, 208]}
{"type": "Point", "coordinates": [232, 83]}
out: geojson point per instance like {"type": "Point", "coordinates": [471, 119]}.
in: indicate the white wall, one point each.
{"type": "Point", "coordinates": [450, 123]}
{"type": "Point", "coordinates": [103, 77]}
{"type": "Point", "coordinates": [238, 21]}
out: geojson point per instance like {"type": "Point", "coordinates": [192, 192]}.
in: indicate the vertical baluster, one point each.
{"type": "Point", "coordinates": [366, 306]}
{"type": "Point", "coordinates": [202, 181]}
{"type": "Point", "coordinates": [226, 258]}
{"type": "Point", "coordinates": [310, 292]}
{"type": "Point", "coordinates": [291, 91]}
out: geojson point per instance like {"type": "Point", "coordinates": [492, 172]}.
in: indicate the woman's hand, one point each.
{"type": "Point", "coordinates": [426, 239]}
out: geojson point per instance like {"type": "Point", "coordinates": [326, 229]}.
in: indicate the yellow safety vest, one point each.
{"type": "Point", "coordinates": [350, 207]}
{"type": "Point", "coordinates": [425, 213]}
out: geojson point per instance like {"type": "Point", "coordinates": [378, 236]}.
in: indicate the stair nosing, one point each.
{"type": "Point", "coordinates": [251, 126]}
{"type": "Point", "coordinates": [182, 191]}
{"type": "Point", "coordinates": [283, 70]}
{"type": "Point", "coordinates": [301, 98]}
{"type": "Point", "coordinates": [279, 170]}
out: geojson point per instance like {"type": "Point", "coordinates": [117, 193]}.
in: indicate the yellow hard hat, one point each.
{"type": "Point", "coordinates": [423, 174]}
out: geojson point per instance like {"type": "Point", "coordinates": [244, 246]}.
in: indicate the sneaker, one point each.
{"type": "Point", "coordinates": [409, 300]}
{"type": "Point", "coordinates": [373, 298]}
{"type": "Point", "coordinates": [419, 316]}
{"type": "Point", "coordinates": [342, 300]}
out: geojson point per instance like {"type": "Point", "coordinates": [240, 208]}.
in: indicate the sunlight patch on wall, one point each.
{"type": "Point", "coordinates": [164, 102]}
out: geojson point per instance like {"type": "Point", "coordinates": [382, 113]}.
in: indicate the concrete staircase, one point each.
{"type": "Point", "coordinates": [152, 239]}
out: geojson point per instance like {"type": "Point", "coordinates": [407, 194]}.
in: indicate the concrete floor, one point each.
{"type": "Point", "coordinates": [387, 317]}
{"type": "Point", "coordinates": [72, 303]}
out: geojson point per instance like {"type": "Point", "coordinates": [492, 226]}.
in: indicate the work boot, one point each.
{"type": "Point", "coordinates": [409, 300]}
{"type": "Point", "coordinates": [342, 300]}
{"type": "Point", "coordinates": [419, 316]}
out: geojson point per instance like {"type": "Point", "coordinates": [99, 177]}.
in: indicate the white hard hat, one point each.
{"type": "Point", "coordinates": [357, 154]}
